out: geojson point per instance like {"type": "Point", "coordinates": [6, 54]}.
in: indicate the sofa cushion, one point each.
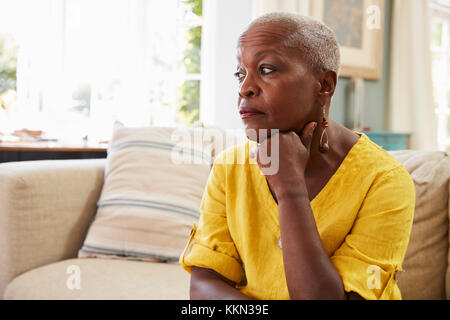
{"type": "Point", "coordinates": [45, 210]}
{"type": "Point", "coordinates": [101, 279]}
{"type": "Point", "coordinates": [447, 282]}
{"type": "Point", "coordinates": [425, 262]}
{"type": "Point", "coordinates": [154, 181]}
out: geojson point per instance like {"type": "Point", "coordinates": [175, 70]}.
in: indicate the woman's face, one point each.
{"type": "Point", "coordinates": [276, 88]}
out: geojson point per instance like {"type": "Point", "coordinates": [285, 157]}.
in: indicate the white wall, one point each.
{"type": "Point", "coordinates": [224, 20]}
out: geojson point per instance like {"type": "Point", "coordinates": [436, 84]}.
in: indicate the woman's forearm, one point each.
{"type": "Point", "coordinates": [308, 269]}
{"type": "Point", "coordinates": [207, 285]}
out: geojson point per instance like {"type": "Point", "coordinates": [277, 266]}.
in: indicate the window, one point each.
{"type": "Point", "coordinates": [76, 66]}
{"type": "Point", "coordinates": [440, 53]}
{"type": "Point", "coordinates": [8, 68]}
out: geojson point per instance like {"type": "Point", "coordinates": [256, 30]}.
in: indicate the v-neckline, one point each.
{"type": "Point", "coordinates": [274, 205]}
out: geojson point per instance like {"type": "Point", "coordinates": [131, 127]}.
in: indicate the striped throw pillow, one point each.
{"type": "Point", "coordinates": [154, 182]}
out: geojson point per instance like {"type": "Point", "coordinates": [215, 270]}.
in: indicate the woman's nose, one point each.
{"type": "Point", "coordinates": [248, 88]}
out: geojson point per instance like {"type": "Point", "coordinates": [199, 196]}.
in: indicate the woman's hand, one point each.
{"type": "Point", "coordinates": [308, 269]}
{"type": "Point", "coordinates": [292, 156]}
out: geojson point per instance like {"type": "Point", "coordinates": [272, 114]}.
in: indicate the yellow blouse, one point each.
{"type": "Point", "coordinates": [363, 214]}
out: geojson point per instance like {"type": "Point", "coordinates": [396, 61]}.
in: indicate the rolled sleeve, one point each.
{"type": "Point", "coordinates": [210, 244]}
{"type": "Point", "coordinates": [373, 252]}
{"type": "Point", "coordinates": [204, 256]}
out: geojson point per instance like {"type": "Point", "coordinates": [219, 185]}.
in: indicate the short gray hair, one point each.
{"type": "Point", "coordinates": [316, 40]}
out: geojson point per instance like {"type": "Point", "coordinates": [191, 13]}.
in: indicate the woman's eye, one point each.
{"type": "Point", "coordinates": [266, 70]}
{"type": "Point", "coordinates": [239, 75]}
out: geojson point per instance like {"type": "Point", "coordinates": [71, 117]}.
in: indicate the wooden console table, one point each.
{"type": "Point", "coordinates": [26, 151]}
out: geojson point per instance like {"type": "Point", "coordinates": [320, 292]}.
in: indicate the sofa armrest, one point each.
{"type": "Point", "coordinates": [45, 211]}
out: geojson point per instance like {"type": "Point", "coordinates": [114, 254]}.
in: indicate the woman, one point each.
{"type": "Point", "coordinates": [334, 221]}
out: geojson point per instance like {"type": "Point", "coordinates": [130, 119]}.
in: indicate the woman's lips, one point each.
{"type": "Point", "coordinates": [247, 112]}
{"type": "Point", "coordinates": [247, 115]}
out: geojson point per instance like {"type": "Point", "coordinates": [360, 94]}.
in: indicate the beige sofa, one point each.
{"type": "Point", "coordinates": [46, 207]}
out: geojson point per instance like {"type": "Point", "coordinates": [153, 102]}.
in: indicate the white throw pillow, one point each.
{"type": "Point", "coordinates": [154, 182]}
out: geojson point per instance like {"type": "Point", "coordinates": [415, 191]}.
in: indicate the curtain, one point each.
{"type": "Point", "coordinates": [411, 93]}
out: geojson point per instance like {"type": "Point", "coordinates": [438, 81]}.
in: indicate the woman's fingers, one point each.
{"type": "Point", "coordinates": [307, 134]}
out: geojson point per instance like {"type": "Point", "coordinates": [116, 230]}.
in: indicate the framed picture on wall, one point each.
{"type": "Point", "coordinates": [358, 25]}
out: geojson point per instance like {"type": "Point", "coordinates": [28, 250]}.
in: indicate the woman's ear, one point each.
{"type": "Point", "coordinates": [327, 81]}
